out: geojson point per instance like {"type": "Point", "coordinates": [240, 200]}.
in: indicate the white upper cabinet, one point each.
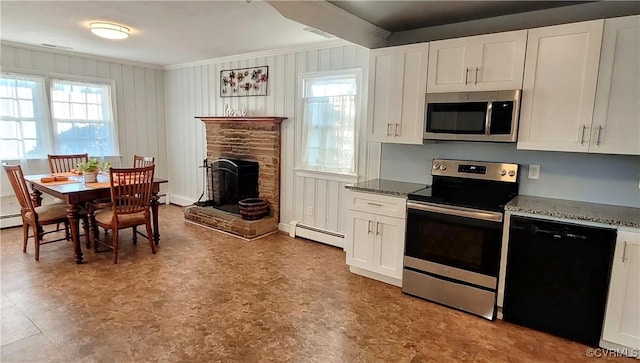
{"type": "Point", "coordinates": [397, 87]}
{"type": "Point", "coordinates": [616, 116]}
{"type": "Point", "coordinates": [489, 62]}
{"type": "Point", "coordinates": [559, 86]}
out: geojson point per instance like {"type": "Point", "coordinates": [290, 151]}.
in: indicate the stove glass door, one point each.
{"type": "Point", "coordinates": [466, 243]}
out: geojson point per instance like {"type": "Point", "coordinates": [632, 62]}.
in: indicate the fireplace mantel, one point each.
{"type": "Point", "coordinates": [266, 119]}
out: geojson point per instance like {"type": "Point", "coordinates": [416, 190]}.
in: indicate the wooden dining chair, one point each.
{"type": "Point", "coordinates": [32, 216]}
{"type": "Point", "coordinates": [139, 161]}
{"type": "Point", "coordinates": [64, 163]}
{"type": "Point", "coordinates": [130, 205]}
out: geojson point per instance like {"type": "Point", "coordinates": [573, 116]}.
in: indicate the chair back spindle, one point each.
{"type": "Point", "coordinates": [139, 161]}
{"type": "Point", "coordinates": [64, 163]}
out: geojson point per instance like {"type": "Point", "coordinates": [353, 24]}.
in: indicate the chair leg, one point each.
{"type": "Point", "coordinates": [67, 233]}
{"type": "Point", "coordinates": [25, 232]}
{"type": "Point", "coordinates": [85, 226]}
{"type": "Point", "coordinates": [135, 235]}
{"type": "Point", "coordinates": [36, 240]}
{"type": "Point", "coordinates": [149, 236]}
{"type": "Point", "coordinates": [115, 245]}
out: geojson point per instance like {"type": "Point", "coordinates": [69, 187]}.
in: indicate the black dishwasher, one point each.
{"type": "Point", "coordinates": [558, 277]}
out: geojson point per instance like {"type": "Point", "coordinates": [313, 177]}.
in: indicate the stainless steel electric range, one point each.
{"type": "Point", "coordinates": [454, 234]}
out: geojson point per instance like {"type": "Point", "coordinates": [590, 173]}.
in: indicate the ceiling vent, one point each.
{"type": "Point", "coordinates": [52, 46]}
{"type": "Point", "coordinates": [319, 32]}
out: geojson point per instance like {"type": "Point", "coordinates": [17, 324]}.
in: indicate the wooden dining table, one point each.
{"type": "Point", "coordinates": [75, 192]}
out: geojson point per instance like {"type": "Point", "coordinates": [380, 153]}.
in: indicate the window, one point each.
{"type": "Point", "coordinates": [82, 118]}
{"type": "Point", "coordinates": [77, 118]}
{"type": "Point", "coordinates": [23, 124]}
{"type": "Point", "coordinates": [329, 114]}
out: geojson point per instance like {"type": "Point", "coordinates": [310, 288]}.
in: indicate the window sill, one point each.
{"type": "Point", "coordinates": [318, 174]}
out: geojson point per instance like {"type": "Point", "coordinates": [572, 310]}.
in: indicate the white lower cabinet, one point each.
{"type": "Point", "coordinates": [622, 318]}
{"type": "Point", "coordinates": [374, 242]}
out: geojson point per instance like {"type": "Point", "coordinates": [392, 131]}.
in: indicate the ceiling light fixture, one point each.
{"type": "Point", "coordinates": [109, 30]}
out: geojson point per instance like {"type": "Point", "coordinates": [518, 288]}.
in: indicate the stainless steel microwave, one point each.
{"type": "Point", "coordinates": [472, 116]}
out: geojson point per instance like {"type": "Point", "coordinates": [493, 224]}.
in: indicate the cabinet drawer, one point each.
{"type": "Point", "coordinates": [377, 204]}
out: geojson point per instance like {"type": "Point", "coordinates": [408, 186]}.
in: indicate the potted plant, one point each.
{"type": "Point", "coordinates": [90, 169]}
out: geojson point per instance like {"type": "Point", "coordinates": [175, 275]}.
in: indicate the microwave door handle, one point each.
{"type": "Point", "coordinates": [487, 121]}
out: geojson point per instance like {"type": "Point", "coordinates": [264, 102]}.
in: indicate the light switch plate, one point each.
{"type": "Point", "coordinates": [534, 171]}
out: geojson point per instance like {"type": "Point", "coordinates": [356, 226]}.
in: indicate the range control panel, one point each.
{"type": "Point", "coordinates": [475, 170]}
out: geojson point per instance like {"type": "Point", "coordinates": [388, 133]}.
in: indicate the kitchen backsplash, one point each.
{"type": "Point", "coordinates": [597, 178]}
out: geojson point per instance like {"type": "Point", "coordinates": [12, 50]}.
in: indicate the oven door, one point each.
{"type": "Point", "coordinates": [458, 243]}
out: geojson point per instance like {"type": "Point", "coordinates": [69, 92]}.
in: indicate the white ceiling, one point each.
{"type": "Point", "coordinates": [174, 32]}
{"type": "Point", "coordinates": [162, 32]}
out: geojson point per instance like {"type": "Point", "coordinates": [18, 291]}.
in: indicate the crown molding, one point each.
{"type": "Point", "coordinates": [261, 54]}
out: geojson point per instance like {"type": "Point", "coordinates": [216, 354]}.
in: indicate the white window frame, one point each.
{"type": "Point", "coordinates": [47, 76]}
{"type": "Point", "coordinates": [302, 77]}
{"type": "Point", "coordinates": [40, 118]}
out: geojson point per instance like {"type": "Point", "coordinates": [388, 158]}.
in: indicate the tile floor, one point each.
{"type": "Point", "coordinates": [208, 297]}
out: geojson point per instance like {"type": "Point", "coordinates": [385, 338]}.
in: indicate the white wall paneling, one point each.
{"type": "Point", "coordinates": [194, 91]}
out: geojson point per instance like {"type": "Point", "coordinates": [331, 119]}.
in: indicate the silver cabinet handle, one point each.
{"type": "Point", "coordinates": [388, 131]}
{"type": "Point", "coordinates": [369, 226]}
{"type": "Point", "coordinates": [584, 128]}
{"type": "Point", "coordinates": [598, 136]}
{"type": "Point", "coordinates": [475, 81]}
{"type": "Point", "coordinates": [377, 228]}
{"type": "Point", "coordinates": [466, 75]}
{"type": "Point", "coordinates": [396, 133]}
{"type": "Point", "coordinates": [624, 252]}
{"type": "Point", "coordinates": [374, 204]}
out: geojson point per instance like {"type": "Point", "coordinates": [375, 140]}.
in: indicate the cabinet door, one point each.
{"type": "Point", "coordinates": [388, 247]}
{"type": "Point", "coordinates": [481, 63]}
{"type": "Point", "coordinates": [558, 93]}
{"type": "Point", "coordinates": [448, 70]}
{"type": "Point", "coordinates": [500, 61]}
{"type": "Point", "coordinates": [385, 91]}
{"type": "Point", "coordinates": [398, 77]}
{"type": "Point", "coordinates": [359, 241]}
{"type": "Point", "coordinates": [622, 319]}
{"type": "Point", "coordinates": [616, 118]}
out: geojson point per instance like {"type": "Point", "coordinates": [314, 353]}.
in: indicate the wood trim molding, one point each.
{"type": "Point", "coordinates": [267, 119]}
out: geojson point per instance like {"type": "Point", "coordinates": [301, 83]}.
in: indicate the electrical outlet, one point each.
{"type": "Point", "coordinates": [534, 171]}
{"type": "Point", "coordinates": [309, 211]}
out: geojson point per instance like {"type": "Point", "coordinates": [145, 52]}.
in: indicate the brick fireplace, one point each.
{"type": "Point", "coordinates": [254, 139]}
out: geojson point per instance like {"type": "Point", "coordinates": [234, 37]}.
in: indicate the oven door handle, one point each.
{"type": "Point", "coordinates": [457, 211]}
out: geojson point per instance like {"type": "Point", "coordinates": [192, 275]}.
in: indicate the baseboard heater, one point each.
{"type": "Point", "coordinates": [297, 229]}
{"type": "Point", "coordinates": [5, 216]}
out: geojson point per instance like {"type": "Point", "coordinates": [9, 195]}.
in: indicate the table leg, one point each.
{"type": "Point", "coordinates": [154, 215]}
{"type": "Point", "coordinates": [74, 223]}
{"type": "Point", "coordinates": [36, 197]}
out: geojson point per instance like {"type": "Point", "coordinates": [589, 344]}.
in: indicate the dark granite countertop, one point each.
{"type": "Point", "coordinates": [386, 187]}
{"type": "Point", "coordinates": [580, 211]}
